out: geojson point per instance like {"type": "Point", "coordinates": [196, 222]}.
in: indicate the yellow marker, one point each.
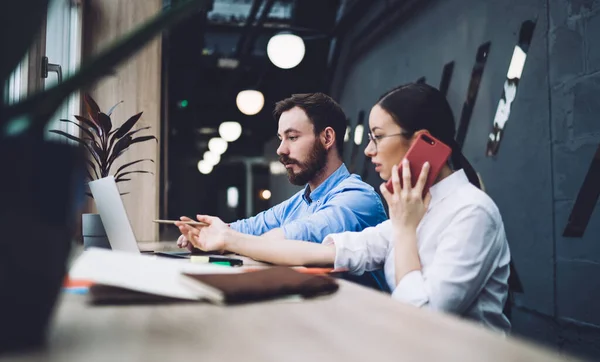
{"type": "Point", "coordinates": [200, 259]}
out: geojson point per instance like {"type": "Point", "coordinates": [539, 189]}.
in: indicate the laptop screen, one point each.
{"type": "Point", "coordinates": [113, 215]}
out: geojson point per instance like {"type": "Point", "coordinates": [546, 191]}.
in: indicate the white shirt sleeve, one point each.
{"type": "Point", "coordinates": [466, 256]}
{"type": "Point", "coordinates": [361, 251]}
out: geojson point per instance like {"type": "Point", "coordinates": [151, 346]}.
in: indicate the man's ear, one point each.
{"type": "Point", "coordinates": [328, 137]}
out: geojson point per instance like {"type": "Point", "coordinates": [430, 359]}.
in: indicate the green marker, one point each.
{"type": "Point", "coordinates": [225, 263]}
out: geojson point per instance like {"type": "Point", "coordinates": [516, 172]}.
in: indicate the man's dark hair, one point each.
{"type": "Point", "coordinates": [322, 110]}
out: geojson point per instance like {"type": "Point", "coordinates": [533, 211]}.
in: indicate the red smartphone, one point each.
{"type": "Point", "coordinates": [425, 148]}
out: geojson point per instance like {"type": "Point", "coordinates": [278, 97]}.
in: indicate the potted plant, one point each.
{"type": "Point", "coordinates": [104, 145]}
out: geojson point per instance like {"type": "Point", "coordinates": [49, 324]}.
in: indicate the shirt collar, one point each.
{"type": "Point", "coordinates": [337, 176]}
{"type": "Point", "coordinates": [440, 190]}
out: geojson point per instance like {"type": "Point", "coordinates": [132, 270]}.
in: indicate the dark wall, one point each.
{"type": "Point", "coordinates": [548, 144]}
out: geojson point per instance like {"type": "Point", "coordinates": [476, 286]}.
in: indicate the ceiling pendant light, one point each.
{"type": "Point", "coordinates": [204, 167]}
{"type": "Point", "coordinates": [230, 131]}
{"type": "Point", "coordinates": [217, 145]}
{"type": "Point", "coordinates": [286, 50]}
{"type": "Point", "coordinates": [250, 101]}
{"type": "Point", "coordinates": [212, 158]}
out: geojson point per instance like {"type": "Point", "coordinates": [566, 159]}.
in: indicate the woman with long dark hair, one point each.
{"type": "Point", "coordinates": [446, 251]}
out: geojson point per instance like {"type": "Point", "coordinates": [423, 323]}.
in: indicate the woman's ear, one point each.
{"type": "Point", "coordinates": [418, 134]}
{"type": "Point", "coordinates": [414, 137]}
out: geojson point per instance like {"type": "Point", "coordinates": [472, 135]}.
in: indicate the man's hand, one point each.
{"type": "Point", "coordinates": [206, 238]}
{"type": "Point", "coordinates": [182, 241]}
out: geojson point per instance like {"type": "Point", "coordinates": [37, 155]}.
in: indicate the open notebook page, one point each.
{"type": "Point", "coordinates": [145, 273]}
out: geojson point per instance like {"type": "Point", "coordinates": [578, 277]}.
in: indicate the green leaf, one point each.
{"type": "Point", "coordinates": [143, 139]}
{"type": "Point", "coordinates": [91, 146]}
{"type": "Point", "coordinates": [128, 125]}
{"type": "Point", "coordinates": [127, 141]}
{"type": "Point", "coordinates": [42, 105]}
{"type": "Point", "coordinates": [113, 158]}
{"type": "Point", "coordinates": [91, 125]}
{"type": "Point", "coordinates": [131, 164]}
{"type": "Point", "coordinates": [99, 152]}
{"type": "Point", "coordinates": [113, 108]}
{"type": "Point", "coordinates": [70, 136]}
{"type": "Point", "coordinates": [127, 135]}
{"type": "Point", "coordinates": [122, 180]}
{"type": "Point", "coordinates": [93, 167]}
{"type": "Point", "coordinates": [91, 107]}
{"type": "Point", "coordinates": [104, 122]}
{"type": "Point", "coordinates": [85, 130]}
{"type": "Point", "coordinates": [130, 172]}
{"type": "Point", "coordinates": [121, 144]}
{"type": "Point", "coordinates": [78, 140]}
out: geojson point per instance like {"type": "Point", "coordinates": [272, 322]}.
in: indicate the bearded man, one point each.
{"type": "Point", "coordinates": [311, 130]}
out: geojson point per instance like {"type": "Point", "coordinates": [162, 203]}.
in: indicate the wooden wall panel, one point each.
{"type": "Point", "coordinates": [137, 83]}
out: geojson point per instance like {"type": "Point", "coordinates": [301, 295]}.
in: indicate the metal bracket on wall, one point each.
{"type": "Point", "coordinates": [586, 200]}
{"type": "Point", "coordinates": [509, 94]}
{"type": "Point", "coordinates": [476, 75]}
{"type": "Point", "coordinates": [446, 78]}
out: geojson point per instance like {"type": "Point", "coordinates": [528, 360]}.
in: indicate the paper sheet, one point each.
{"type": "Point", "coordinates": [144, 273]}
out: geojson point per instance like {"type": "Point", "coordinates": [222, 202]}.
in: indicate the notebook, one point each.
{"type": "Point", "coordinates": [146, 274]}
{"type": "Point", "coordinates": [124, 278]}
{"type": "Point", "coordinates": [270, 283]}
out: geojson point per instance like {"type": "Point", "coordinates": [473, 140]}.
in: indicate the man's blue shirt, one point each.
{"type": "Point", "coordinates": [343, 202]}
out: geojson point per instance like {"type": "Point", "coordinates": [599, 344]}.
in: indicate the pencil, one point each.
{"type": "Point", "coordinates": [193, 223]}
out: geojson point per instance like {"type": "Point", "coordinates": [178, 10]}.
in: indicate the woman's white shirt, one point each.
{"type": "Point", "coordinates": [463, 251]}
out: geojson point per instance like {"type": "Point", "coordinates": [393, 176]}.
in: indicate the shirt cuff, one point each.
{"type": "Point", "coordinates": [343, 255]}
{"type": "Point", "coordinates": [237, 226]}
{"type": "Point", "coordinates": [411, 289]}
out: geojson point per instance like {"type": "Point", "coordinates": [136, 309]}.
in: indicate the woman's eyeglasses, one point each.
{"type": "Point", "coordinates": [377, 139]}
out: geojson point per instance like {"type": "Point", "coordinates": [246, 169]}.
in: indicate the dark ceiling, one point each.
{"type": "Point", "coordinates": [240, 30]}
{"type": "Point", "coordinates": [195, 47]}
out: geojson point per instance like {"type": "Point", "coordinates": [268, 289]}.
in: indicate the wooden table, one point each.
{"type": "Point", "coordinates": [355, 324]}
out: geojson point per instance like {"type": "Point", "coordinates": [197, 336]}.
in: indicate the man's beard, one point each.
{"type": "Point", "coordinates": [310, 169]}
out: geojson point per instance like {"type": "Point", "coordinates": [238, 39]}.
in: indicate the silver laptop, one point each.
{"type": "Point", "coordinates": [115, 220]}
{"type": "Point", "coordinates": [114, 217]}
{"type": "Point", "coordinates": [116, 223]}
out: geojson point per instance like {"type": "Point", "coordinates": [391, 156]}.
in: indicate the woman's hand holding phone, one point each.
{"type": "Point", "coordinates": [406, 204]}
{"type": "Point", "coordinates": [424, 149]}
